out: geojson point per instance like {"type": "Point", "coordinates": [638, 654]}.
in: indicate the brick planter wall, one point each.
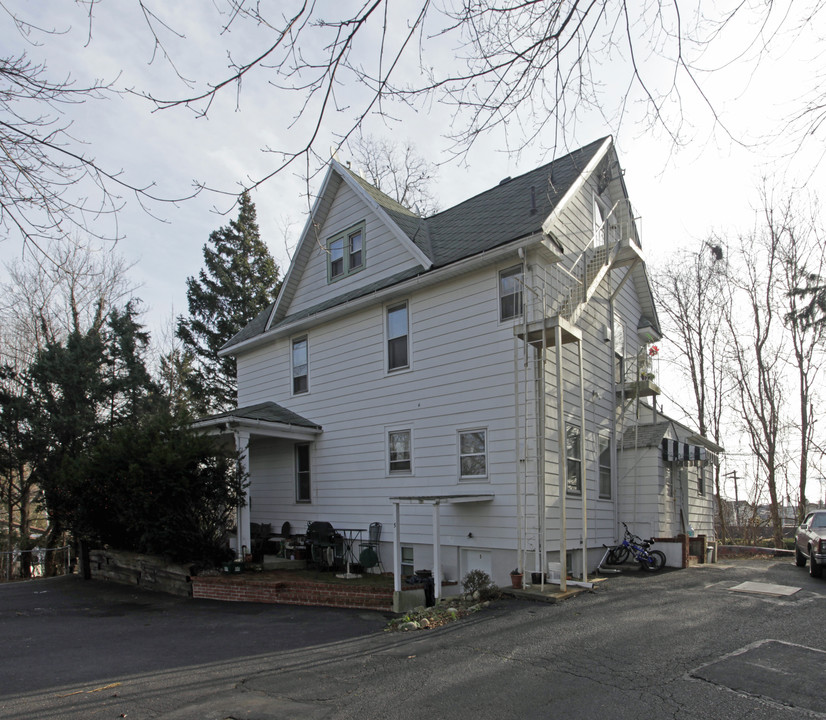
{"type": "Point", "coordinates": [235, 589]}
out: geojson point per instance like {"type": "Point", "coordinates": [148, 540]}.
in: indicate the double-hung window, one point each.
{"type": "Point", "coordinates": [302, 473]}
{"type": "Point", "coordinates": [574, 468]}
{"type": "Point", "coordinates": [605, 467]}
{"type": "Point", "coordinates": [473, 454]}
{"type": "Point", "coordinates": [398, 337]}
{"type": "Point", "coordinates": [510, 293]}
{"type": "Point", "coordinates": [345, 253]}
{"type": "Point", "coordinates": [300, 366]}
{"type": "Point", "coordinates": [399, 452]}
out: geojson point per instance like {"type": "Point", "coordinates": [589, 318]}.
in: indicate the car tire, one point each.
{"type": "Point", "coordinates": [799, 557]}
{"type": "Point", "coordinates": [815, 568]}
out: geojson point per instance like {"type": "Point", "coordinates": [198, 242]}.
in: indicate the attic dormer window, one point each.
{"type": "Point", "coordinates": [345, 253]}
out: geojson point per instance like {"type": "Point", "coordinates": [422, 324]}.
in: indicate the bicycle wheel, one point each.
{"type": "Point", "coordinates": [618, 555]}
{"type": "Point", "coordinates": [654, 561]}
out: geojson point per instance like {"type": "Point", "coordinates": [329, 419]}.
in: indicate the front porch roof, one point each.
{"type": "Point", "coordinates": [267, 419]}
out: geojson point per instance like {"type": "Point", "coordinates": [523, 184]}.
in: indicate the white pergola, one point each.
{"type": "Point", "coordinates": [436, 501]}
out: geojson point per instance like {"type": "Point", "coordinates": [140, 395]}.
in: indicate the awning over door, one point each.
{"type": "Point", "coordinates": [436, 501]}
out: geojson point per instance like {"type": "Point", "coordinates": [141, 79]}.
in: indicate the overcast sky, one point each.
{"type": "Point", "coordinates": [681, 193]}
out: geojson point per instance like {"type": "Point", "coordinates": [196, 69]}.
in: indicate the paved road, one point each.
{"type": "Point", "coordinates": [679, 644]}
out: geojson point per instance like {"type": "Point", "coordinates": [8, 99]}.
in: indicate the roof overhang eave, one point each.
{"type": "Point", "coordinates": [231, 425]}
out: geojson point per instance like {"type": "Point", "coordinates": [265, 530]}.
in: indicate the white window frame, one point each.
{"type": "Point", "coordinates": [573, 461]}
{"type": "Point", "coordinates": [484, 454]}
{"type": "Point", "coordinates": [293, 366]}
{"type": "Point", "coordinates": [298, 473]}
{"type": "Point", "coordinates": [600, 219]}
{"type": "Point", "coordinates": [388, 339]}
{"type": "Point", "coordinates": [604, 438]}
{"type": "Point", "coordinates": [520, 295]}
{"type": "Point", "coordinates": [345, 239]}
{"type": "Point", "coordinates": [408, 559]}
{"type": "Point", "coordinates": [389, 465]}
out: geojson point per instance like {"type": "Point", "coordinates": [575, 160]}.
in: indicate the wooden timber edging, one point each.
{"type": "Point", "coordinates": [146, 571]}
{"type": "Point", "coordinates": [292, 592]}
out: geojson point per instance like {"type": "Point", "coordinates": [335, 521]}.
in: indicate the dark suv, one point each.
{"type": "Point", "coordinates": [810, 542]}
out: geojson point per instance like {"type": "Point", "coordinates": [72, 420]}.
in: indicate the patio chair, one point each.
{"type": "Point", "coordinates": [369, 551]}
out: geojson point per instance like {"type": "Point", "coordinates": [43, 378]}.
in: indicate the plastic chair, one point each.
{"type": "Point", "coordinates": [369, 552]}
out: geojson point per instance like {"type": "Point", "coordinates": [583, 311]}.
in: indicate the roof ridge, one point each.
{"type": "Point", "coordinates": [510, 179]}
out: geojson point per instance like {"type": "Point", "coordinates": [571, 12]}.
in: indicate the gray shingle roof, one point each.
{"type": "Point", "coordinates": [649, 435]}
{"type": "Point", "coordinates": [514, 209]}
{"type": "Point", "coordinates": [267, 411]}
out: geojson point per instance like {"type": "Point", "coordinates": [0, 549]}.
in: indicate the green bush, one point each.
{"type": "Point", "coordinates": [157, 487]}
{"type": "Point", "coordinates": [478, 581]}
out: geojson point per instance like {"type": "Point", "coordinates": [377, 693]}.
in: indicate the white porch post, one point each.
{"type": "Point", "coordinates": [437, 553]}
{"type": "Point", "coordinates": [563, 463]}
{"type": "Point", "coordinates": [244, 537]}
{"type": "Point", "coordinates": [397, 548]}
{"type": "Point", "coordinates": [582, 453]}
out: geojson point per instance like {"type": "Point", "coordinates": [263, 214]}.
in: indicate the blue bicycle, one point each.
{"type": "Point", "coordinates": [633, 546]}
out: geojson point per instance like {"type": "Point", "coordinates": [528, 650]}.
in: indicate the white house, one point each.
{"type": "Point", "coordinates": [468, 379]}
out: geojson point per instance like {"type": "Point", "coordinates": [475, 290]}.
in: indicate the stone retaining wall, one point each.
{"type": "Point", "coordinates": [146, 571]}
{"type": "Point", "coordinates": [237, 589]}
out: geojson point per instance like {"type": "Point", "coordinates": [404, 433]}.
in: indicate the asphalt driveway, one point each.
{"type": "Point", "coordinates": [66, 630]}
{"type": "Point", "coordinates": [677, 644]}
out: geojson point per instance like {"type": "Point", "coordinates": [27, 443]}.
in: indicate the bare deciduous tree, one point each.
{"type": "Point", "coordinates": [525, 69]}
{"type": "Point", "coordinates": [801, 254]}
{"type": "Point", "coordinates": [690, 293]}
{"type": "Point", "coordinates": [758, 355]}
{"type": "Point", "coordinates": [397, 170]}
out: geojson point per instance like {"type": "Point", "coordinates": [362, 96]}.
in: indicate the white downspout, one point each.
{"type": "Point", "coordinates": [437, 552]}
{"type": "Point", "coordinates": [397, 548]}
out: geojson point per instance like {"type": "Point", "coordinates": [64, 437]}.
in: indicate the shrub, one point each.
{"type": "Point", "coordinates": [478, 581]}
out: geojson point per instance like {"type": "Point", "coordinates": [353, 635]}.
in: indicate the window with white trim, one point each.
{"type": "Point", "coordinates": [300, 366]}
{"type": "Point", "coordinates": [573, 479]}
{"type": "Point", "coordinates": [345, 253]}
{"type": "Point", "coordinates": [605, 467]}
{"type": "Point", "coordinates": [510, 292]}
{"type": "Point", "coordinates": [473, 454]}
{"type": "Point", "coordinates": [407, 561]}
{"type": "Point", "coordinates": [601, 221]}
{"type": "Point", "coordinates": [302, 473]}
{"type": "Point", "coordinates": [398, 336]}
{"type": "Point", "coordinates": [399, 452]}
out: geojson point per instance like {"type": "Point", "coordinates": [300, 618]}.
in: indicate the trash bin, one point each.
{"type": "Point", "coordinates": [425, 579]}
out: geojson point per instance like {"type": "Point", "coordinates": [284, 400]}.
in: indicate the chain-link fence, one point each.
{"type": "Point", "coordinates": [38, 562]}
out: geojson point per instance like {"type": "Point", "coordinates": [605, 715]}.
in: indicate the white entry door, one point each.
{"type": "Point", "coordinates": [476, 560]}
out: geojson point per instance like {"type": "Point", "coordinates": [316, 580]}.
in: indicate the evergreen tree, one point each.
{"type": "Point", "coordinates": [239, 279]}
